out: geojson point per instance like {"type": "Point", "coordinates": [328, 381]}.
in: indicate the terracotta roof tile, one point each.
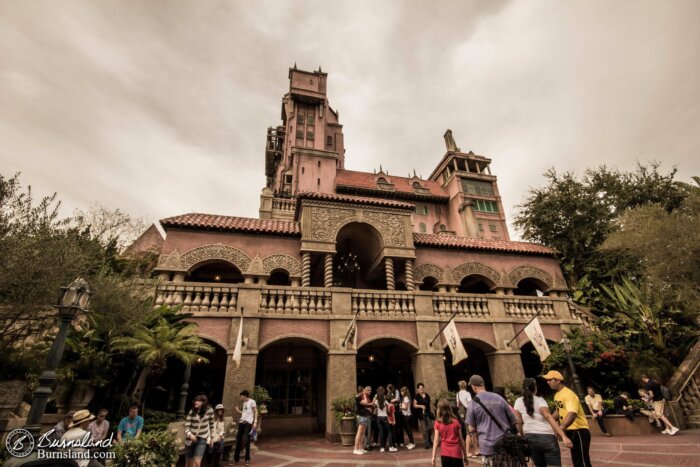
{"type": "Point", "coordinates": [368, 181]}
{"type": "Point", "coordinates": [232, 223]}
{"type": "Point", "coordinates": [452, 241]}
{"type": "Point", "coordinates": [355, 200]}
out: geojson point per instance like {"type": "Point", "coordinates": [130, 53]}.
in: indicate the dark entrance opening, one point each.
{"type": "Point", "coordinates": [385, 361]}
{"type": "Point", "coordinates": [475, 364]}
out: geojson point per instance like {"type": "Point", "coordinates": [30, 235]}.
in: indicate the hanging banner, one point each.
{"type": "Point", "coordinates": [536, 336]}
{"type": "Point", "coordinates": [239, 345]}
{"type": "Point", "coordinates": [454, 343]}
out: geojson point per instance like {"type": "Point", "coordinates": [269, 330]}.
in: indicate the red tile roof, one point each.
{"type": "Point", "coordinates": [231, 223]}
{"type": "Point", "coordinates": [354, 200]}
{"type": "Point", "coordinates": [402, 185]}
{"type": "Point", "coordinates": [452, 241]}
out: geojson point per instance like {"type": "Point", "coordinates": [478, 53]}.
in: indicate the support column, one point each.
{"type": "Point", "coordinates": [184, 390]}
{"type": "Point", "coordinates": [506, 367]}
{"type": "Point", "coordinates": [341, 381]}
{"type": "Point", "coordinates": [328, 270]}
{"type": "Point", "coordinates": [238, 379]}
{"type": "Point", "coordinates": [429, 369]}
{"type": "Point", "coordinates": [306, 269]}
{"type": "Point", "coordinates": [389, 270]}
{"type": "Point", "coordinates": [410, 283]}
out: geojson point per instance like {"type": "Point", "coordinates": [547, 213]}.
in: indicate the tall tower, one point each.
{"type": "Point", "coordinates": [304, 152]}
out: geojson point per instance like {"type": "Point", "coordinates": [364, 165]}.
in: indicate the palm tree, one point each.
{"type": "Point", "coordinates": [159, 339]}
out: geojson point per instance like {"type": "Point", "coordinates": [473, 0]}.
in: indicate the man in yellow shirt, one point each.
{"type": "Point", "coordinates": [571, 418]}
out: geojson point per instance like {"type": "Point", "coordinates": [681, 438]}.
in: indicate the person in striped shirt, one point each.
{"type": "Point", "coordinates": [199, 431]}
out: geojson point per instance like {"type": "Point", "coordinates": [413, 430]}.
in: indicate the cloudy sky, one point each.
{"type": "Point", "coordinates": [161, 108]}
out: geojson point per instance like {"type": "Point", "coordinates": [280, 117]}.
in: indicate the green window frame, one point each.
{"type": "Point", "coordinates": [477, 188]}
{"type": "Point", "coordinates": [485, 205]}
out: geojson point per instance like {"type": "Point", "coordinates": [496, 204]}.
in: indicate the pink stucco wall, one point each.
{"type": "Point", "coordinates": [251, 244]}
{"type": "Point", "coordinates": [270, 329]}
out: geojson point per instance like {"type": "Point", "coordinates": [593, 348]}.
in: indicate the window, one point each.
{"type": "Point", "coordinates": [310, 118]}
{"type": "Point", "coordinates": [302, 170]}
{"type": "Point", "coordinates": [421, 227]}
{"type": "Point", "coordinates": [485, 206]}
{"type": "Point", "coordinates": [481, 227]}
{"type": "Point", "coordinates": [310, 135]}
{"type": "Point", "coordinates": [318, 182]}
{"type": "Point", "coordinates": [329, 141]}
{"type": "Point", "coordinates": [421, 209]}
{"type": "Point", "coordinates": [288, 178]}
{"type": "Point", "coordinates": [493, 228]}
{"type": "Point", "coordinates": [477, 188]}
{"type": "Point", "coordinates": [381, 180]}
{"type": "Point", "coordinates": [290, 391]}
{"type": "Point", "coordinates": [300, 133]}
{"type": "Point", "coordinates": [318, 164]}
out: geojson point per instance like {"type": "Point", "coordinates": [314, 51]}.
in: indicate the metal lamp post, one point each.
{"type": "Point", "coordinates": [72, 300]}
{"type": "Point", "coordinates": [577, 382]}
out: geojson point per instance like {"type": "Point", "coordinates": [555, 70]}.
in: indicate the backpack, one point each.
{"type": "Point", "coordinates": [666, 393]}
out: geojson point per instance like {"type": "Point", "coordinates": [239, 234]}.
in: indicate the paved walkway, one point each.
{"type": "Point", "coordinates": [642, 451]}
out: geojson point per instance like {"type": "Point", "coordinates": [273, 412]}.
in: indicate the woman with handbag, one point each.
{"type": "Point", "coordinates": [536, 423]}
{"type": "Point", "coordinates": [448, 435]}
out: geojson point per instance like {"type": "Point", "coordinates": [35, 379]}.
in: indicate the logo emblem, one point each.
{"type": "Point", "coordinates": [19, 443]}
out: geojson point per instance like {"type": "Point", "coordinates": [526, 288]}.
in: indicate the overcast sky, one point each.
{"type": "Point", "coordinates": [161, 108]}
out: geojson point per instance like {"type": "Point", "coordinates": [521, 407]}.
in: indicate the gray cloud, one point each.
{"type": "Point", "coordinates": [160, 108]}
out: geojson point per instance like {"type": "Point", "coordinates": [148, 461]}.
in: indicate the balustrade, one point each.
{"type": "Point", "coordinates": [383, 304]}
{"type": "Point", "coordinates": [523, 307]}
{"type": "Point", "coordinates": [296, 301]}
{"type": "Point", "coordinates": [283, 204]}
{"type": "Point", "coordinates": [469, 306]}
{"type": "Point", "coordinates": [198, 298]}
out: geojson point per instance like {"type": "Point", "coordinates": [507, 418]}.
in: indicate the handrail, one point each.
{"type": "Point", "coordinates": [687, 380]}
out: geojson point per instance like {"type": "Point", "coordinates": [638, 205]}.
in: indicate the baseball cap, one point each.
{"type": "Point", "coordinates": [552, 374]}
{"type": "Point", "coordinates": [476, 380]}
{"type": "Point", "coordinates": [219, 406]}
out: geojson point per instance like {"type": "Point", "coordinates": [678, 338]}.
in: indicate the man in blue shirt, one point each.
{"type": "Point", "coordinates": [130, 427]}
{"type": "Point", "coordinates": [479, 421]}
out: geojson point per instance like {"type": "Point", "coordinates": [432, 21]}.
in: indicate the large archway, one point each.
{"type": "Point", "coordinates": [476, 284]}
{"type": "Point", "coordinates": [385, 361]}
{"type": "Point", "coordinates": [532, 367]}
{"type": "Point", "coordinates": [475, 364]}
{"type": "Point", "coordinates": [293, 371]}
{"type": "Point", "coordinates": [216, 271]}
{"type": "Point", "coordinates": [357, 262]}
{"type": "Point", "coordinates": [531, 287]}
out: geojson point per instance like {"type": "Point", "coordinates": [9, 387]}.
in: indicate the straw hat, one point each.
{"type": "Point", "coordinates": [81, 416]}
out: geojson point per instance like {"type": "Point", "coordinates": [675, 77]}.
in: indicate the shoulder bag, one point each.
{"type": "Point", "coordinates": [514, 447]}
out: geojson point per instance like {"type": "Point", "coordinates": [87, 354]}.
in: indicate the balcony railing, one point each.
{"type": "Point", "coordinates": [195, 297]}
{"type": "Point", "coordinates": [523, 307]}
{"type": "Point", "coordinates": [296, 301]}
{"type": "Point", "coordinates": [283, 204]}
{"type": "Point", "coordinates": [383, 303]}
{"type": "Point", "coordinates": [445, 304]}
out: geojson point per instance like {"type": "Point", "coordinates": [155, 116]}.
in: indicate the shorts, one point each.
{"type": "Point", "coordinates": [659, 407]}
{"type": "Point", "coordinates": [363, 420]}
{"type": "Point", "coordinates": [196, 449]}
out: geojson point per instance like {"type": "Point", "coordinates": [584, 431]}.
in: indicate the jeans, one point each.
{"type": "Point", "coordinates": [384, 432]}
{"type": "Point", "coordinates": [581, 439]}
{"type": "Point", "coordinates": [427, 422]}
{"type": "Point", "coordinates": [242, 435]}
{"type": "Point", "coordinates": [406, 426]}
{"type": "Point", "coordinates": [196, 449]}
{"type": "Point", "coordinates": [545, 449]}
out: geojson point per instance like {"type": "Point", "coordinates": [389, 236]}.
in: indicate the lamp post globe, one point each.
{"type": "Point", "coordinates": [72, 300]}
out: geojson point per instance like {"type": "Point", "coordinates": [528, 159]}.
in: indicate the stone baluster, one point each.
{"type": "Point", "coordinates": [186, 304]}
{"type": "Point", "coordinates": [233, 300]}
{"type": "Point", "coordinates": [197, 300]}
{"type": "Point", "coordinates": [305, 269]}
{"type": "Point", "coordinates": [205, 301]}
{"type": "Point", "coordinates": [215, 300]}
{"type": "Point", "coordinates": [223, 304]}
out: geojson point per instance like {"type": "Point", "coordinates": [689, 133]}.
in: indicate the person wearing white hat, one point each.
{"type": "Point", "coordinates": [77, 432]}
{"type": "Point", "coordinates": [219, 434]}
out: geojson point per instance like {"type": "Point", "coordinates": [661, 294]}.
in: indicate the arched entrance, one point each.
{"type": "Point", "coordinates": [429, 284]}
{"type": "Point", "coordinates": [293, 371]}
{"type": "Point", "coordinates": [205, 378]}
{"type": "Point", "coordinates": [358, 259]}
{"type": "Point", "coordinates": [475, 364]}
{"type": "Point", "coordinates": [532, 367]}
{"type": "Point", "coordinates": [531, 287]}
{"type": "Point", "coordinates": [216, 271]}
{"type": "Point", "coordinates": [385, 361]}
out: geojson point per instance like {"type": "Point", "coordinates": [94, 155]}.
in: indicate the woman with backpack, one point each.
{"type": "Point", "coordinates": [448, 435]}
{"type": "Point", "coordinates": [536, 424]}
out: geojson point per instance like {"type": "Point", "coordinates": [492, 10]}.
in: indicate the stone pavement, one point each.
{"type": "Point", "coordinates": [642, 451]}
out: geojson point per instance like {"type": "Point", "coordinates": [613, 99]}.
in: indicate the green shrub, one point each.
{"type": "Point", "coordinates": [156, 420]}
{"type": "Point", "coordinates": [343, 407]}
{"type": "Point", "coordinates": [151, 449]}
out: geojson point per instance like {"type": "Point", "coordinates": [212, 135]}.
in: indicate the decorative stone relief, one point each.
{"type": "Point", "coordinates": [171, 262]}
{"type": "Point", "coordinates": [522, 272]}
{"type": "Point", "coordinates": [467, 269]}
{"type": "Point", "coordinates": [391, 226]}
{"type": "Point", "coordinates": [422, 271]}
{"type": "Point", "coordinates": [326, 221]}
{"type": "Point", "coordinates": [215, 252]}
{"type": "Point", "coordinates": [256, 266]}
{"type": "Point", "coordinates": [281, 261]}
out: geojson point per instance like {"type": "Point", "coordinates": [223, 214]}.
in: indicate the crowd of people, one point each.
{"type": "Point", "coordinates": [481, 422]}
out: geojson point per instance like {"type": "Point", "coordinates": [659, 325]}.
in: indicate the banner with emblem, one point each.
{"type": "Point", "coordinates": [239, 344]}
{"type": "Point", "coordinates": [536, 336]}
{"type": "Point", "coordinates": [454, 342]}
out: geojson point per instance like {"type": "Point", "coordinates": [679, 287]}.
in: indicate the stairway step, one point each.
{"type": "Point", "coordinates": [694, 418]}
{"type": "Point", "coordinates": [692, 425]}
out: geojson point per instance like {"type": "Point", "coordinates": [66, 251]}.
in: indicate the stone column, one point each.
{"type": "Point", "coordinates": [506, 367]}
{"type": "Point", "coordinates": [389, 270]}
{"type": "Point", "coordinates": [341, 381]}
{"type": "Point", "coordinates": [328, 270]}
{"type": "Point", "coordinates": [306, 269]}
{"type": "Point", "coordinates": [179, 277]}
{"type": "Point", "coordinates": [429, 369]}
{"type": "Point", "coordinates": [238, 379]}
{"type": "Point", "coordinates": [410, 284]}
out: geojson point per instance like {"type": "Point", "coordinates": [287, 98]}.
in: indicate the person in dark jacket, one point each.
{"type": "Point", "coordinates": [621, 405]}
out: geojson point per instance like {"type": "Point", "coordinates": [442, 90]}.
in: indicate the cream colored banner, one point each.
{"type": "Point", "coordinates": [454, 343]}
{"type": "Point", "coordinates": [536, 336]}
